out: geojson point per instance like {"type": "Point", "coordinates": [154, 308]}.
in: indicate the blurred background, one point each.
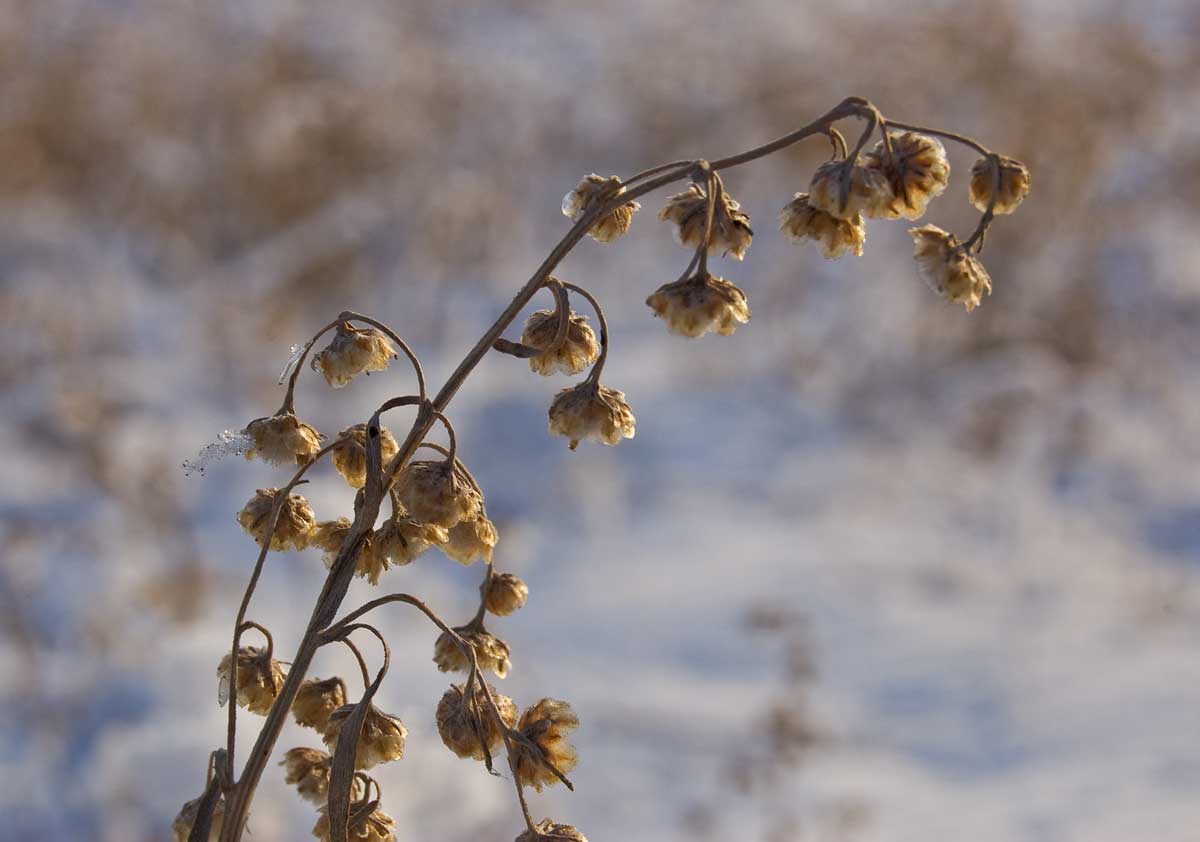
{"type": "Point", "coordinates": [872, 569]}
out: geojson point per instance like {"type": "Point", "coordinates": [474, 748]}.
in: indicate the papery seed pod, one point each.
{"type": "Point", "coordinates": [308, 769]}
{"type": "Point", "coordinates": [462, 727]}
{"type": "Point", "coordinates": [368, 823]}
{"type": "Point", "coordinates": [470, 540]}
{"type": "Point", "coordinates": [505, 594]}
{"type": "Point", "coordinates": [699, 304]}
{"type": "Point", "coordinates": [866, 191]}
{"type": "Point", "coordinates": [1014, 184]}
{"type": "Point", "coordinates": [550, 831]}
{"type": "Point", "coordinates": [259, 679]}
{"type": "Point", "coordinates": [545, 725]}
{"type": "Point", "coordinates": [351, 352]}
{"type": "Point", "coordinates": [579, 349]}
{"type": "Point", "coordinates": [296, 518]}
{"type": "Point", "coordinates": [947, 269]}
{"type": "Point", "coordinates": [186, 819]}
{"type": "Point", "coordinates": [432, 492]}
{"type": "Point", "coordinates": [282, 440]}
{"type": "Point", "coordinates": [350, 453]}
{"type": "Point", "coordinates": [688, 212]}
{"type": "Point", "coordinates": [380, 741]}
{"type": "Point", "coordinates": [316, 700]}
{"type": "Point", "coordinates": [800, 221]}
{"type": "Point", "coordinates": [595, 190]}
{"type": "Point", "coordinates": [491, 653]}
{"type": "Point", "coordinates": [917, 171]}
{"type": "Point", "coordinates": [402, 539]}
{"type": "Point", "coordinates": [328, 535]}
{"type": "Point", "coordinates": [591, 411]}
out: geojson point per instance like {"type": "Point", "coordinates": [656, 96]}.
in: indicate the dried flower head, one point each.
{"type": "Point", "coordinates": [308, 769]}
{"type": "Point", "coordinates": [292, 527]}
{"type": "Point", "coordinates": [401, 539]}
{"type": "Point", "coordinates": [947, 269]}
{"type": "Point", "coordinates": [466, 727]}
{"type": "Point", "coordinates": [1014, 184]}
{"type": "Point", "coordinates": [350, 453]}
{"type": "Point", "coordinates": [259, 679]}
{"type": "Point", "coordinates": [380, 741]}
{"type": "Point", "coordinates": [591, 411]}
{"type": "Point", "coordinates": [578, 350]}
{"type": "Point", "coordinates": [505, 594]}
{"type": "Point", "coordinates": [845, 190]}
{"type": "Point", "coordinates": [432, 492]}
{"type": "Point", "coordinates": [470, 540]}
{"type": "Point", "coordinates": [282, 440]}
{"type": "Point", "coordinates": [328, 535]}
{"type": "Point", "coordinates": [316, 700]}
{"type": "Point", "coordinates": [593, 191]}
{"type": "Point", "coordinates": [917, 171]}
{"type": "Point", "coordinates": [544, 727]}
{"type": "Point", "coordinates": [800, 221]}
{"type": "Point", "coordinates": [491, 653]}
{"type": "Point", "coordinates": [550, 831]}
{"type": "Point", "coordinates": [367, 823]}
{"type": "Point", "coordinates": [351, 352]}
{"type": "Point", "coordinates": [688, 211]}
{"type": "Point", "coordinates": [699, 304]}
{"type": "Point", "coordinates": [184, 821]}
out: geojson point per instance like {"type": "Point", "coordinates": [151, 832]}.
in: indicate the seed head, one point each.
{"type": "Point", "coordinates": [259, 679]}
{"type": "Point", "coordinates": [688, 211]}
{"type": "Point", "coordinates": [1014, 184]}
{"type": "Point", "coordinates": [699, 304]}
{"type": "Point", "coordinates": [544, 726]}
{"type": "Point", "coordinates": [549, 831]}
{"type": "Point", "coordinates": [491, 653]}
{"type": "Point", "coordinates": [800, 221]}
{"type": "Point", "coordinates": [463, 724]}
{"type": "Point", "coordinates": [380, 741]}
{"type": "Point", "coordinates": [295, 520]}
{"type": "Point", "coordinates": [433, 492]}
{"type": "Point", "coordinates": [947, 269]}
{"type": "Point", "coordinates": [505, 594]}
{"type": "Point", "coordinates": [182, 826]}
{"type": "Point", "coordinates": [591, 411]}
{"type": "Point", "coordinates": [401, 539]}
{"type": "Point", "coordinates": [578, 350]}
{"type": "Point", "coordinates": [917, 171]}
{"type": "Point", "coordinates": [367, 823]}
{"type": "Point", "coordinates": [353, 351]}
{"type": "Point", "coordinates": [845, 190]}
{"type": "Point", "coordinates": [282, 440]}
{"type": "Point", "coordinates": [308, 769]}
{"type": "Point", "coordinates": [470, 540]}
{"type": "Point", "coordinates": [350, 453]}
{"type": "Point", "coordinates": [595, 190]}
{"type": "Point", "coordinates": [329, 535]}
{"type": "Point", "coordinates": [316, 700]}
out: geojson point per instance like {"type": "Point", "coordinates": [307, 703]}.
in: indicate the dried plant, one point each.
{"type": "Point", "coordinates": [438, 503]}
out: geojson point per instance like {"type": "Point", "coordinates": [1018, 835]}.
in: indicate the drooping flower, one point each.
{"type": "Point", "coordinates": [800, 221]}
{"type": "Point", "coordinates": [591, 411]}
{"type": "Point", "coordinates": [292, 527]}
{"type": "Point", "coordinates": [189, 812]}
{"type": "Point", "coordinates": [351, 352]}
{"type": "Point", "coordinates": [491, 653]}
{"type": "Point", "coordinates": [350, 453]}
{"type": "Point", "coordinates": [465, 729]}
{"type": "Point", "coordinates": [699, 304]}
{"type": "Point", "coordinates": [595, 190]}
{"type": "Point", "coordinates": [549, 830]}
{"type": "Point", "coordinates": [947, 269]}
{"type": "Point", "coordinates": [917, 171]}
{"type": "Point", "coordinates": [368, 823]}
{"type": "Point", "coordinates": [544, 727]}
{"type": "Point", "coordinates": [845, 190]}
{"type": "Point", "coordinates": [1014, 184]}
{"type": "Point", "coordinates": [470, 540]}
{"type": "Point", "coordinates": [259, 679]}
{"type": "Point", "coordinates": [380, 741]}
{"type": "Point", "coordinates": [401, 539]}
{"type": "Point", "coordinates": [688, 212]}
{"type": "Point", "coordinates": [282, 440]}
{"type": "Point", "coordinates": [308, 769]}
{"type": "Point", "coordinates": [505, 594]}
{"type": "Point", "coordinates": [578, 350]}
{"type": "Point", "coordinates": [316, 700]}
{"type": "Point", "coordinates": [432, 492]}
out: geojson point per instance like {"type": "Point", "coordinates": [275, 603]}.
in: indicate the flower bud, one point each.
{"type": "Point", "coordinates": [491, 653]}
{"type": "Point", "coordinates": [380, 741]}
{"type": "Point", "coordinates": [282, 440]}
{"type": "Point", "coordinates": [259, 679]}
{"type": "Point", "coordinates": [591, 411]}
{"type": "Point", "coordinates": [800, 221]}
{"type": "Point", "coordinates": [316, 700]}
{"type": "Point", "coordinates": [688, 212]}
{"type": "Point", "coordinates": [699, 304]}
{"type": "Point", "coordinates": [350, 453]}
{"type": "Point", "coordinates": [353, 351]}
{"type": "Point", "coordinates": [917, 171]}
{"type": "Point", "coordinates": [579, 348]}
{"type": "Point", "coordinates": [947, 269]}
{"type": "Point", "coordinates": [544, 726]}
{"type": "Point", "coordinates": [505, 594]}
{"type": "Point", "coordinates": [295, 520]}
{"type": "Point", "coordinates": [593, 191]}
{"type": "Point", "coordinates": [463, 726]}
{"type": "Point", "coordinates": [1014, 184]}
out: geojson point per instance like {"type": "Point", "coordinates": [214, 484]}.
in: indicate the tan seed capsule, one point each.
{"type": "Point", "coordinates": [368, 823]}
{"type": "Point", "coordinates": [316, 700]}
{"type": "Point", "coordinates": [186, 819]}
{"type": "Point", "coordinates": [308, 770]}
{"type": "Point", "coordinates": [470, 540]}
{"type": "Point", "coordinates": [917, 172]}
{"type": "Point", "coordinates": [550, 831]}
{"type": "Point", "coordinates": [402, 539]}
{"type": "Point", "coordinates": [432, 492]}
{"type": "Point", "coordinates": [591, 411]}
{"type": "Point", "coordinates": [466, 728]}
{"type": "Point", "coordinates": [947, 269]}
{"type": "Point", "coordinates": [579, 348]}
{"type": "Point", "coordinates": [800, 221]}
{"type": "Point", "coordinates": [545, 726]}
{"type": "Point", "coordinates": [295, 520]}
{"type": "Point", "coordinates": [1014, 184]}
{"type": "Point", "coordinates": [353, 351]}
{"type": "Point", "coordinates": [688, 212]}
{"type": "Point", "coordinates": [350, 453]}
{"type": "Point", "coordinates": [380, 741]}
{"type": "Point", "coordinates": [506, 593]}
{"type": "Point", "coordinates": [595, 190]}
{"type": "Point", "coordinates": [491, 653]}
{"type": "Point", "coordinates": [259, 679]}
{"type": "Point", "coordinates": [282, 440]}
{"type": "Point", "coordinates": [699, 304]}
{"type": "Point", "coordinates": [846, 190]}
